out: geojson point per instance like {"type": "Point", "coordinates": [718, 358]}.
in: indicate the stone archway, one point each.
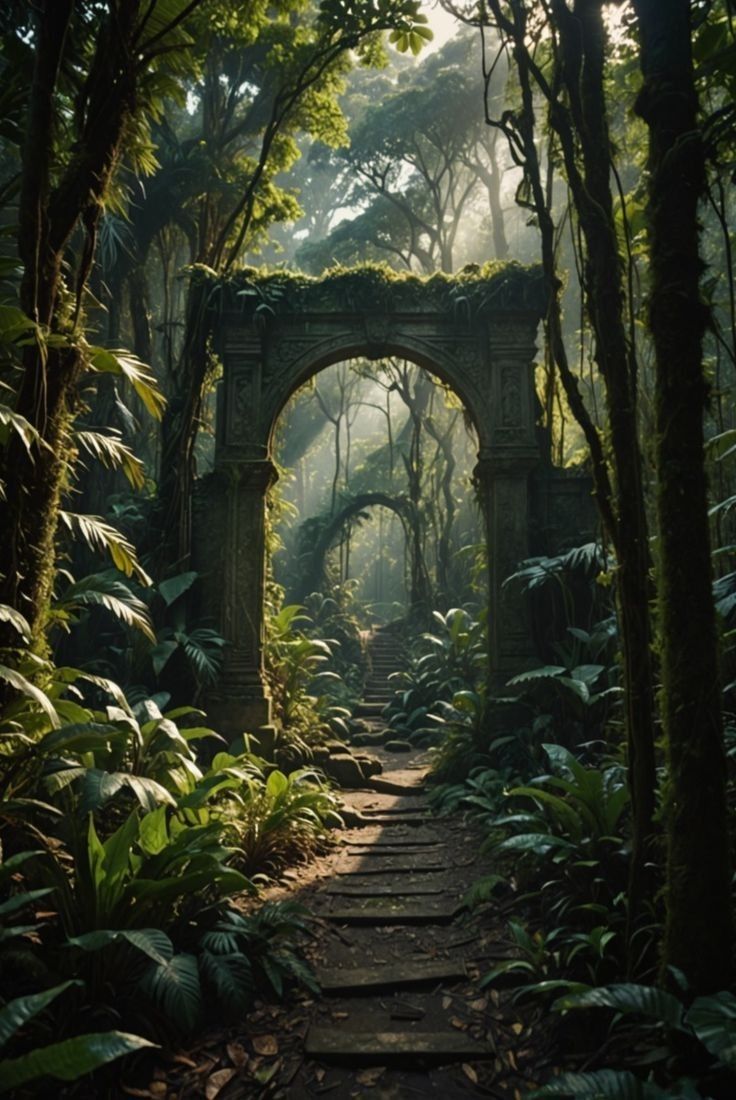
{"type": "Point", "coordinates": [323, 538]}
{"type": "Point", "coordinates": [476, 331]}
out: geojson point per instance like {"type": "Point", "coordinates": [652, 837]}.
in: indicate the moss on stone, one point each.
{"type": "Point", "coordinates": [470, 292]}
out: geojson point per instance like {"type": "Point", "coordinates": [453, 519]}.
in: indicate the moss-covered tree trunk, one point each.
{"type": "Point", "coordinates": [699, 930]}
{"type": "Point", "coordinates": [49, 212]}
{"type": "Point", "coordinates": [581, 123]}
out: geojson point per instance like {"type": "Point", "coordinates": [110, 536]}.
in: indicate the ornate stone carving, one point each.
{"type": "Point", "coordinates": [511, 409]}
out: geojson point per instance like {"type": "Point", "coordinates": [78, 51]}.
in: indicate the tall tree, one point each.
{"type": "Point", "coordinates": [99, 70]}
{"type": "Point", "coordinates": [699, 930]}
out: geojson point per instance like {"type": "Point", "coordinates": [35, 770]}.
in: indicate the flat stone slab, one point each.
{"type": "Point", "coordinates": [360, 980]}
{"type": "Point", "coordinates": [397, 911]}
{"type": "Point", "coordinates": [414, 821]}
{"type": "Point", "coordinates": [387, 889]}
{"type": "Point", "coordinates": [404, 840]}
{"type": "Point", "coordinates": [382, 866]}
{"type": "Point", "coordinates": [392, 1047]}
{"type": "Point", "coordinates": [390, 811]}
{"type": "Point", "coordinates": [384, 851]}
{"type": "Point", "coordinates": [388, 786]}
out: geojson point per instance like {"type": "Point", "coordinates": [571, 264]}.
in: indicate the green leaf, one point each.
{"type": "Point", "coordinates": [644, 1000]}
{"type": "Point", "coordinates": [25, 687]}
{"type": "Point", "coordinates": [16, 620]}
{"type": "Point", "coordinates": [172, 588]}
{"type": "Point", "coordinates": [70, 1059]}
{"type": "Point", "coordinates": [80, 737]}
{"type": "Point", "coordinates": [18, 1012]}
{"type": "Point", "coordinates": [176, 988]}
{"type": "Point", "coordinates": [276, 784]}
{"type": "Point", "coordinates": [151, 942]}
{"type": "Point", "coordinates": [100, 535]}
{"type": "Point", "coordinates": [114, 454]}
{"type": "Point", "coordinates": [101, 590]}
{"type": "Point", "coordinates": [127, 365]}
{"type": "Point", "coordinates": [605, 1084]}
{"type": "Point", "coordinates": [713, 1019]}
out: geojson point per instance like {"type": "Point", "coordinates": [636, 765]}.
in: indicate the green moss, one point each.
{"type": "Point", "coordinates": [470, 292]}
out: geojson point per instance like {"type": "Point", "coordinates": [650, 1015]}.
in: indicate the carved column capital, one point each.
{"type": "Point", "coordinates": [256, 476]}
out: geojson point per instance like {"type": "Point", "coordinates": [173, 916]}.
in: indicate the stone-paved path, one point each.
{"type": "Point", "coordinates": [400, 1014]}
{"type": "Point", "coordinates": [398, 957]}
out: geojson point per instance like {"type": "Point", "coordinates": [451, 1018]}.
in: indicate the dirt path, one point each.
{"type": "Point", "coordinates": [398, 958]}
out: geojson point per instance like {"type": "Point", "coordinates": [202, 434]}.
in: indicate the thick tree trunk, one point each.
{"type": "Point", "coordinates": [699, 929]}
{"type": "Point", "coordinates": [47, 218]}
{"type": "Point", "coordinates": [583, 41]}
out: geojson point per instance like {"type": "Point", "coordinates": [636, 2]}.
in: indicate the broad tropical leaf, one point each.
{"type": "Point", "coordinates": [18, 681]}
{"type": "Point", "coordinates": [151, 942]}
{"type": "Point", "coordinates": [71, 1059]}
{"type": "Point", "coordinates": [610, 1084]}
{"type": "Point", "coordinates": [713, 1019]}
{"type": "Point", "coordinates": [175, 986]}
{"type": "Point", "coordinates": [644, 1000]}
{"type": "Point", "coordinates": [18, 1012]}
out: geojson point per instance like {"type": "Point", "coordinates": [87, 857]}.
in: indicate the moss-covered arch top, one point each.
{"type": "Point", "coordinates": [475, 330]}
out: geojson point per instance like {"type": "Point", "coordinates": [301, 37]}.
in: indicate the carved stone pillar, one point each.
{"type": "Point", "coordinates": [242, 703]}
{"type": "Point", "coordinates": [503, 487]}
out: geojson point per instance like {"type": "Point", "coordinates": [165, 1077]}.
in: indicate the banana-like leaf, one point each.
{"type": "Point", "coordinates": [18, 681]}
{"type": "Point", "coordinates": [114, 454]}
{"type": "Point", "coordinates": [70, 1059]}
{"type": "Point", "coordinates": [100, 535]}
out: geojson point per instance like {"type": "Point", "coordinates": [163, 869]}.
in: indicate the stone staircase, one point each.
{"type": "Point", "coordinates": [393, 1000]}
{"type": "Point", "coordinates": [386, 655]}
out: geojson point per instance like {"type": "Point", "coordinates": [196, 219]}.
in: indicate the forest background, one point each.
{"type": "Point", "coordinates": [145, 143]}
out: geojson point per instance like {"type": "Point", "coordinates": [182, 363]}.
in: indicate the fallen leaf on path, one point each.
{"type": "Point", "coordinates": [458, 1023]}
{"type": "Point", "coordinates": [216, 1083]}
{"type": "Point", "coordinates": [370, 1076]}
{"type": "Point", "coordinates": [517, 1028]}
{"type": "Point", "coordinates": [339, 1015]}
{"type": "Point", "coordinates": [237, 1054]}
{"type": "Point", "coordinates": [480, 1005]}
{"type": "Point", "coordinates": [470, 1073]}
{"type": "Point", "coordinates": [446, 1002]}
{"type": "Point", "coordinates": [267, 1045]}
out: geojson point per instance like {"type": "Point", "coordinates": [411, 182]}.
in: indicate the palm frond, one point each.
{"type": "Point", "coordinates": [114, 454]}
{"type": "Point", "coordinates": [100, 535]}
{"type": "Point", "coordinates": [124, 363]}
{"type": "Point", "coordinates": [103, 590]}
